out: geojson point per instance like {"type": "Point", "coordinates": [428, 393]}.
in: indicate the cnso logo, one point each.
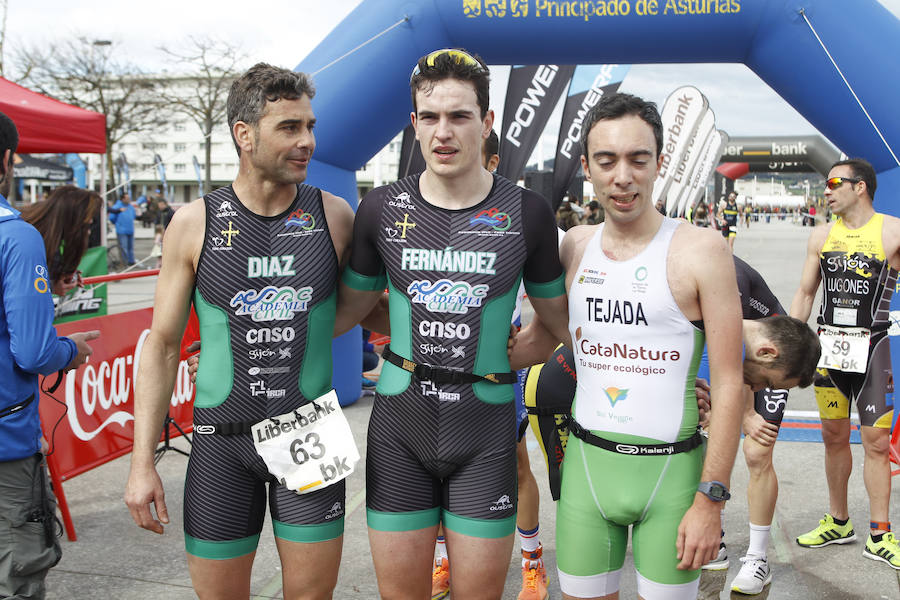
{"type": "Point", "coordinates": [270, 334]}
{"type": "Point", "coordinates": [447, 331]}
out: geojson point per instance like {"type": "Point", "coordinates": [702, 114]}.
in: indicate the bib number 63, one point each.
{"type": "Point", "coordinates": [300, 455]}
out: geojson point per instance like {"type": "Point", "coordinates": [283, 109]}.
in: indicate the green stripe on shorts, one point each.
{"type": "Point", "coordinates": [480, 528]}
{"type": "Point", "coordinates": [220, 550]}
{"type": "Point", "coordinates": [403, 521]}
{"type": "Point", "coordinates": [309, 534]}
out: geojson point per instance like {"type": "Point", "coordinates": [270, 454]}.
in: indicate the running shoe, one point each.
{"type": "Point", "coordinates": [440, 579]}
{"type": "Point", "coordinates": [887, 550]}
{"type": "Point", "coordinates": [534, 576]}
{"type": "Point", "coordinates": [828, 532]}
{"type": "Point", "coordinates": [368, 384]}
{"type": "Point", "coordinates": [720, 562]}
{"type": "Point", "coordinates": [753, 576]}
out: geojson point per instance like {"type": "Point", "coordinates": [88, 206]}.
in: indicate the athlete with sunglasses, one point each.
{"type": "Point", "coordinates": [856, 258]}
{"type": "Point", "coordinates": [451, 245]}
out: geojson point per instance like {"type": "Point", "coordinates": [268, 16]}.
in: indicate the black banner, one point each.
{"type": "Point", "coordinates": [531, 96]}
{"type": "Point", "coordinates": [589, 84]}
{"type": "Point", "coordinates": [411, 160]}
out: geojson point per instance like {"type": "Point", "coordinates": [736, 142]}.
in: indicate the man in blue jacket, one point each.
{"type": "Point", "coordinates": [122, 214]}
{"type": "Point", "coordinates": [29, 346]}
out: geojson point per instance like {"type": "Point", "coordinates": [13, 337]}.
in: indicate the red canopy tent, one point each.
{"type": "Point", "coordinates": [48, 125]}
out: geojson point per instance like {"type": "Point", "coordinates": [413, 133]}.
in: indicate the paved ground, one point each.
{"type": "Point", "coordinates": [114, 559]}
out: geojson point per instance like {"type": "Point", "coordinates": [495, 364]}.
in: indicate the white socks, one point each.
{"type": "Point", "coordinates": [759, 540]}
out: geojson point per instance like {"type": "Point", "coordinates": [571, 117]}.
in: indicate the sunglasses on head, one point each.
{"type": "Point", "coordinates": [836, 182]}
{"type": "Point", "coordinates": [458, 56]}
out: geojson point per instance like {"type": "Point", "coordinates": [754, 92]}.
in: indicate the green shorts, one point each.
{"type": "Point", "coordinates": [602, 494]}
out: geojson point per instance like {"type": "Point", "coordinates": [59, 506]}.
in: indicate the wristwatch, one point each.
{"type": "Point", "coordinates": [714, 490]}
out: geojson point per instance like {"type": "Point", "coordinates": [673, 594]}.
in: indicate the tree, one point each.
{"type": "Point", "coordinates": [201, 93]}
{"type": "Point", "coordinates": [88, 74]}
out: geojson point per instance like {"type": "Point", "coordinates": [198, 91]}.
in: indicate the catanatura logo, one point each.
{"type": "Point", "coordinates": [492, 217]}
{"type": "Point", "coordinates": [272, 303]}
{"type": "Point", "coordinates": [640, 273]}
{"type": "Point", "coordinates": [447, 296]}
{"type": "Point", "coordinates": [614, 395]}
{"type": "Point", "coordinates": [300, 219]}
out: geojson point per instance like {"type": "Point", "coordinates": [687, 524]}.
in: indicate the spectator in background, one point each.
{"type": "Point", "coordinates": [122, 216]}
{"type": "Point", "coordinates": [64, 221]}
{"type": "Point", "coordinates": [566, 217]}
{"type": "Point", "coordinates": [593, 213]}
{"type": "Point", "coordinates": [29, 346]}
{"type": "Point", "coordinates": [148, 216]}
{"type": "Point", "coordinates": [164, 213]}
{"type": "Point", "coordinates": [701, 215]}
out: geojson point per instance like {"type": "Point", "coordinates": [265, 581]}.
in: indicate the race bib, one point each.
{"type": "Point", "coordinates": [844, 348]}
{"type": "Point", "coordinates": [309, 448]}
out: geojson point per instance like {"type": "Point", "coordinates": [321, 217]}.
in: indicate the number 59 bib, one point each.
{"type": "Point", "coordinates": [844, 348]}
{"type": "Point", "coordinates": [309, 448]}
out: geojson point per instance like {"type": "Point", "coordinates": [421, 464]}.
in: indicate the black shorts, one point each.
{"type": "Point", "coordinates": [873, 391]}
{"type": "Point", "coordinates": [770, 404]}
{"type": "Point", "coordinates": [451, 459]}
{"type": "Point", "coordinates": [225, 501]}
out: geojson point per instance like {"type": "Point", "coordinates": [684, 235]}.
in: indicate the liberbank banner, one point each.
{"type": "Point", "coordinates": [685, 166]}
{"type": "Point", "coordinates": [709, 158]}
{"type": "Point", "coordinates": [589, 84]}
{"type": "Point", "coordinates": [680, 116]}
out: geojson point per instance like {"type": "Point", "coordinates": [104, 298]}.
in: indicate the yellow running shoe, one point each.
{"type": "Point", "coordinates": [828, 532]}
{"type": "Point", "coordinates": [887, 550]}
{"type": "Point", "coordinates": [440, 579]}
{"type": "Point", "coordinates": [534, 576]}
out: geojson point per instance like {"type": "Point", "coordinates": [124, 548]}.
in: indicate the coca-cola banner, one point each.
{"type": "Point", "coordinates": [94, 405]}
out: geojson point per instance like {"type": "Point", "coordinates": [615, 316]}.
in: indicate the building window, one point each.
{"type": "Point", "coordinates": [180, 147]}
{"type": "Point", "coordinates": [179, 167]}
{"type": "Point", "coordinates": [179, 126]}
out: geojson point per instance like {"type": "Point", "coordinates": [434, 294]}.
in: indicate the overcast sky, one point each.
{"type": "Point", "coordinates": [290, 29]}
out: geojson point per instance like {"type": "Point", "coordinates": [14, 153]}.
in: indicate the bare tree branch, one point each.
{"type": "Point", "coordinates": [85, 74]}
{"type": "Point", "coordinates": [201, 93]}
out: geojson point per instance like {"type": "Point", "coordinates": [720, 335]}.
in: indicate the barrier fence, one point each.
{"type": "Point", "coordinates": [89, 419]}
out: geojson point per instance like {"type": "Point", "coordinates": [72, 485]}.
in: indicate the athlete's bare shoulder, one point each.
{"type": "Point", "coordinates": [818, 236]}
{"type": "Point", "coordinates": [890, 239]}
{"type": "Point", "coordinates": [184, 235]}
{"type": "Point", "coordinates": [691, 240]}
{"type": "Point", "coordinates": [574, 242]}
{"type": "Point", "coordinates": [340, 222]}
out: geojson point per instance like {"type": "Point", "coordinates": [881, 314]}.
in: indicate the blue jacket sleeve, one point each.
{"type": "Point", "coordinates": [33, 342]}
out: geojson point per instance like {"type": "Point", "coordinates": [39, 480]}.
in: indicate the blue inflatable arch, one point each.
{"type": "Point", "coordinates": [363, 97]}
{"type": "Point", "coordinates": [362, 68]}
